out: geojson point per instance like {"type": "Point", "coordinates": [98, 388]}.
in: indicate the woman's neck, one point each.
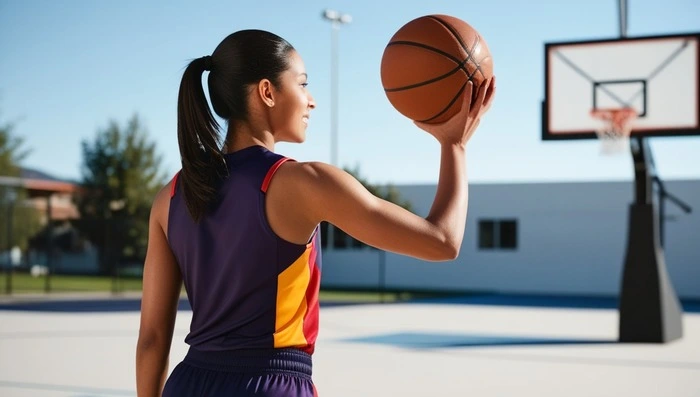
{"type": "Point", "coordinates": [241, 135]}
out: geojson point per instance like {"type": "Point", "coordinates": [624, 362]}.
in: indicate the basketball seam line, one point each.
{"type": "Point", "coordinates": [464, 46]}
{"type": "Point", "coordinates": [429, 48]}
{"type": "Point", "coordinates": [469, 76]}
{"type": "Point", "coordinates": [469, 52]}
{"type": "Point", "coordinates": [470, 55]}
{"type": "Point", "coordinates": [460, 66]}
{"type": "Point", "coordinates": [454, 99]}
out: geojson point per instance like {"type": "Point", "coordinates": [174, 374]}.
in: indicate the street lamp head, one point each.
{"type": "Point", "coordinates": [335, 16]}
{"type": "Point", "coordinates": [330, 15]}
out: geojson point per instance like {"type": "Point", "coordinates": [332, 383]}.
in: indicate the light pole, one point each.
{"type": "Point", "coordinates": [10, 197]}
{"type": "Point", "coordinates": [336, 19]}
{"type": "Point", "coordinates": [112, 254]}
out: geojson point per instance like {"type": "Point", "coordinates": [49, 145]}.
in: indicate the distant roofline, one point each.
{"type": "Point", "coordinates": [33, 173]}
{"type": "Point", "coordinates": [38, 182]}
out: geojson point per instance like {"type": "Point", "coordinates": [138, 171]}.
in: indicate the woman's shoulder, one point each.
{"type": "Point", "coordinates": [161, 202]}
{"type": "Point", "coordinates": [303, 170]}
{"type": "Point", "coordinates": [311, 176]}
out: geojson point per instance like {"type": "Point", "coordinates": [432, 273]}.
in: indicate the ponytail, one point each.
{"type": "Point", "coordinates": [203, 163]}
{"type": "Point", "coordinates": [241, 59]}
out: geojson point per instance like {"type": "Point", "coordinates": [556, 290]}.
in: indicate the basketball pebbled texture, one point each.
{"type": "Point", "coordinates": [427, 63]}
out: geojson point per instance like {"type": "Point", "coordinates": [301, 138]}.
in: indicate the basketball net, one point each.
{"type": "Point", "coordinates": [615, 128]}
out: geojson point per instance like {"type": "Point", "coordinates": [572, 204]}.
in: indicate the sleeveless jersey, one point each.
{"type": "Point", "coordinates": [247, 287]}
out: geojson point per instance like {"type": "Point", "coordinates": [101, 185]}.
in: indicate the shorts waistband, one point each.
{"type": "Point", "coordinates": [286, 360]}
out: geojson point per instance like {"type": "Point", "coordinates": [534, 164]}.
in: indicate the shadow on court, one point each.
{"type": "Point", "coordinates": [420, 340]}
{"type": "Point", "coordinates": [545, 301]}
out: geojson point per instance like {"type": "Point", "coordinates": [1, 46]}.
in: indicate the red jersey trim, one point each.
{"type": "Point", "coordinates": [271, 173]}
{"type": "Point", "coordinates": [173, 185]}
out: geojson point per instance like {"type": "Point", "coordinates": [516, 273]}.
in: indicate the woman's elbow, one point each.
{"type": "Point", "coordinates": [451, 251]}
{"type": "Point", "coordinates": [447, 250]}
{"type": "Point", "coordinates": [149, 340]}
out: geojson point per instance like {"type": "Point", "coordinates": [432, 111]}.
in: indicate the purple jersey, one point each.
{"type": "Point", "coordinates": [248, 288]}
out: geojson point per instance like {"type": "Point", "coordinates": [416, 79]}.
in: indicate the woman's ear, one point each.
{"type": "Point", "coordinates": [266, 92]}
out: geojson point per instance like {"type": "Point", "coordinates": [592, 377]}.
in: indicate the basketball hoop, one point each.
{"type": "Point", "coordinates": [615, 128]}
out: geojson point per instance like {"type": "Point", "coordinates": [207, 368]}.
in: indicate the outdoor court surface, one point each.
{"type": "Point", "coordinates": [470, 347]}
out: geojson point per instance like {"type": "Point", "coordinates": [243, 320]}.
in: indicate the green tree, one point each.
{"type": "Point", "coordinates": [25, 219]}
{"type": "Point", "coordinates": [121, 173]}
{"type": "Point", "coordinates": [11, 151]}
{"type": "Point", "coordinates": [387, 192]}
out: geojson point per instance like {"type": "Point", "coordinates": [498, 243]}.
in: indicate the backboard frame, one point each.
{"type": "Point", "coordinates": [693, 128]}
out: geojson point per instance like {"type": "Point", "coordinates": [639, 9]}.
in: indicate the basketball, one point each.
{"type": "Point", "coordinates": [427, 64]}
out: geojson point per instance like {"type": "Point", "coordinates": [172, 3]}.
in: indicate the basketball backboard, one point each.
{"type": "Point", "coordinates": [657, 76]}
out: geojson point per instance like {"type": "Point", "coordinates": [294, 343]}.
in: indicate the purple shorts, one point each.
{"type": "Point", "coordinates": [260, 373]}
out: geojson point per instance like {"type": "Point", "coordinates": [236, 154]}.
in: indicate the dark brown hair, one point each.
{"type": "Point", "coordinates": [241, 59]}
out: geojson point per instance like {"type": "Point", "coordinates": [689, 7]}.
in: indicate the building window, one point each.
{"type": "Point", "coordinates": [498, 234]}
{"type": "Point", "coordinates": [341, 240]}
{"type": "Point", "coordinates": [508, 234]}
{"type": "Point", "coordinates": [324, 234]}
{"type": "Point", "coordinates": [486, 234]}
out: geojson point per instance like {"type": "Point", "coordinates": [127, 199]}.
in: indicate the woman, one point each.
{"type": "Point", "coordinates": [239, 225]}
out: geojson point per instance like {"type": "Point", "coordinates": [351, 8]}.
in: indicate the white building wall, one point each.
{"type": "Point", "coordinates": [571, 240]}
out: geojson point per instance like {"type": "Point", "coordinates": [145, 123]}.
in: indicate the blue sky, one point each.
{"type": "Point", "coordinates": [68, 67]}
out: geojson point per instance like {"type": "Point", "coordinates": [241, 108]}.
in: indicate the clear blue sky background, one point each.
{"type": "Point", "coordinates": [68, 67]}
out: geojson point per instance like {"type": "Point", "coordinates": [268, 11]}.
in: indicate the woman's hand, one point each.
{"type": "Point", "coordinates": [460, 128]}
